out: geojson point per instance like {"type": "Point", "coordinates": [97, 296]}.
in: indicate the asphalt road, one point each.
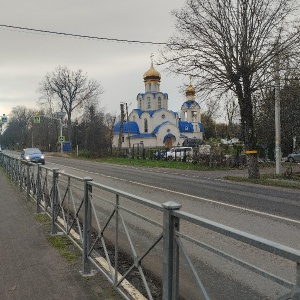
{"type": "Point", "coordinates": [268, 212]}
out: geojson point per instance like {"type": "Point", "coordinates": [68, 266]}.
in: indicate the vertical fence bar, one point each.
{"type": "Point", "coordinates": [116, 239]}
{"type": "Point", "coordinates": [86, 235]}
{"type": "Point", "coordinates": [54, 202]}
{"type": "Point", "coordinates": [38, 190]}
{"type": "Point", "coordinates": [296, 290]}
{"type": "Point", "coordinates": [170, 267]}
{"type": "Point", "coordinates": [27, 181]}
{"type": "Point", "coordinates": [21, 175]}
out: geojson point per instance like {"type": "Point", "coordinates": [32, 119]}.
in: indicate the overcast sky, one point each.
{"type": "Point", "coordinates": [25, 57]}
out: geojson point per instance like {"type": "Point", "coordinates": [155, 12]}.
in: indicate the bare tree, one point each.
{"type": "Point", "coordinates": [70, 89]}
{"type": "Point", "coordinates": [19, 129]}
{"type": "Point", "coordinates": [230, 45]}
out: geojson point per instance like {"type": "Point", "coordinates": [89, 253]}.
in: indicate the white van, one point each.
{"type": "Point", "coordinates": [178, 153]}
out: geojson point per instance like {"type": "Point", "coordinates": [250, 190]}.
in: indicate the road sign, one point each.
{"type": "Point", "coordinates": [61, 139]}
{"type": "Point", "coordinates": [37, 119]}
{"type": "Point", "coordinates": [4, 119]}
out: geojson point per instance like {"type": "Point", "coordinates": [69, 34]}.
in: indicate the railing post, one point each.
{"type": "Point", "coordinates": [27, 181]}
{"type": "Point", "coordinates": [117, 240]}
{"type": "Point", "coordinates": [54, 202]}
{"type": "Point", "coordinates": [170, 251]}
{"type": "Point", "coordinates": [21, 175]}
{"type": "Point", "coordinates": [296, 290]}
{"type": "Point", "coordinates": [38, 189]}
{"type": "Point", "coordinates": [86, 235]}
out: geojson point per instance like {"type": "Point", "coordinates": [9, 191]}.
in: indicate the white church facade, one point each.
{"type": "Point", "coordinates": [152, 124]}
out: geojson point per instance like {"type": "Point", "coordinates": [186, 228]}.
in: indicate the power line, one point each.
{"type": "Point", "coordinates": [79, 35]}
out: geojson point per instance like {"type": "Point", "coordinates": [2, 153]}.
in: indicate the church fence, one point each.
{"type": "Point", "coordinates": [120, 235]}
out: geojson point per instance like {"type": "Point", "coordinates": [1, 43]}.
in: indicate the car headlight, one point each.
{"type": "Point", "coordinates": [27, 157]}
{"type": "Point", "coordinates": [42, 156]}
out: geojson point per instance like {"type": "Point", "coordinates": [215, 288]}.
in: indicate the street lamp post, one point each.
{"type": "Point", "coordinates": [277, 118]}
{"type": "Point", "coordinates": [60, 115]}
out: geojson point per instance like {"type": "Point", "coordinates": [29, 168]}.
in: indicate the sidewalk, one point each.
{"type": "Point", "coordinates": [30, 268]}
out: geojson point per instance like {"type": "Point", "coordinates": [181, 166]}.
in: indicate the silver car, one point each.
{"type": "Point", "coordinates": [295, 156]}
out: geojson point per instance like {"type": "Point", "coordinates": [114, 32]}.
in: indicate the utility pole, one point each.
{"type": "Point", "coordinates": [277, 116]}
{"type": "Point", "coordinates": [128, 128]}
{"type": "Point", "coordinates": [121, 126]}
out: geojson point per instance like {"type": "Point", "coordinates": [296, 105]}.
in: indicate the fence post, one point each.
{"type": "Point", "coordinates": [86, 234]}
{"type": "Point", "coordinates": [27, 181]}
{"type": "Point", "coordinates": [38, 189]}
{"type": "Point", "coordinates": [170, 251]}
{"type": "Point", "coordinates": [54, 202]}
{"type": "Point", "coordinates": [296, 290]}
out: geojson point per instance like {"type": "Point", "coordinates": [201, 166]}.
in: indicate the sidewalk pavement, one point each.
{"type": "Point", "coordinates": [30, 268]}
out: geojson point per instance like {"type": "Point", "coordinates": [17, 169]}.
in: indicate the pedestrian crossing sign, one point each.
{"type": "Point", "coordinates": [37, 119]}
{"type": "Point", "coordinates": [61, 139]}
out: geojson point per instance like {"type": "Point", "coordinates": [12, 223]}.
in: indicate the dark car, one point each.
{"type": "Point", "coordinates": [160, 154]}
{"type": "Point", "coordinates": [295, 156]}
{"type": "Point", "coordinates": [33, 155]}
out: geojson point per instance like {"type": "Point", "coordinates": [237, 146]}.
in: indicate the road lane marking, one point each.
{"type": "Point", "coordinates": [192, 196]}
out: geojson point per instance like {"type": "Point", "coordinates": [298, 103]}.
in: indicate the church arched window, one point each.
{"type": "Point", "coordinates": [159, 102]}
{"type": "Point", "coordinates": [145, 125]}
{"type": "Point", "coordinates": [140, 103]}
{"type": "Point", "coordinates": [149, 102]}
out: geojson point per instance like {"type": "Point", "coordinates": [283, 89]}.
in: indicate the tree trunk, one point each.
{"type": "Point", "coordinates": [247, 127]}
{"type": "Point", "coordinates": [253, 170]}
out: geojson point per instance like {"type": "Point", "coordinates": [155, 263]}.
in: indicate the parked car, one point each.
{"type": "Point", "coordinates": [160, 154]}
{"type": "Point", "coordinates": [180, 153]}
{"type": "Point", "coordinates": [33, 155]}
{"type": "Point", "coordinates": [295, 156]}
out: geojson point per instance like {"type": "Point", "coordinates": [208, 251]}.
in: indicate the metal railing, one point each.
{"type": "Point", "coordinates": [107, 224]}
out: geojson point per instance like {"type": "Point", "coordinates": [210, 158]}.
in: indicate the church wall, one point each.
{"type": "Point", "coordinates": [165, 130]}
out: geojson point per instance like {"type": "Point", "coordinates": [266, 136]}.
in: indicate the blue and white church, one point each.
{"type": "Point", "coordinates": [153, 124]}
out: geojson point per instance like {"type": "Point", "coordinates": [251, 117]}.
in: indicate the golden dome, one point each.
{"type": "Point", "coordinates": [190, 91]}
{"type": "Point", "coordinates": [152, 73]}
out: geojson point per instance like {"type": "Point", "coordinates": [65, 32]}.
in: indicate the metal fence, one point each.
{"type": "Point", "coordinates": [120, 234]}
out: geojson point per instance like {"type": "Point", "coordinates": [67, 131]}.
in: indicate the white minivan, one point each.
{"type": "Point", "coordinates": [179, 153]}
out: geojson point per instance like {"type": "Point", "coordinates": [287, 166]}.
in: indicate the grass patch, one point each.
{"type": "Point", "coordinates": [43, 219]}
{"type": "Point", "coordinates": [152, 163]}
{"type": "Point", "coordinates": [270, 180]}
{"type": "Point", "coordinates": [61, 244]}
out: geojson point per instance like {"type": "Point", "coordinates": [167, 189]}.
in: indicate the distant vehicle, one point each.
{"type": "Point", "coordinates": [295, 156]}
{"type": "Point", "coordinates": [160, 154]}
{"type": "Point", "coordinates": [34, 155]}
{"type": "Point", "coordinates": [192, 142]}
{"type": "Point", "coordinates": [180, 153]}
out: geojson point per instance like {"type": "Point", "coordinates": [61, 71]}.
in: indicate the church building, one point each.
{"type": "Point", "coordinates": [152, 124]}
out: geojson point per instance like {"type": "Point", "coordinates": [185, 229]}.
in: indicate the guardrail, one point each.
{"type": "Point", "coordinates": [107, 223]}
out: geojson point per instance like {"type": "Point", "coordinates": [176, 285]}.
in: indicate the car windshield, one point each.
{"type": "Point", "coordinates": [33, 151]}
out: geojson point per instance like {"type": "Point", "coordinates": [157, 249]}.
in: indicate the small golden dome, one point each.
{"type": "Point", "coordinates": [152, 73]}
{"type": "Point", "coordinates": [190, 91]}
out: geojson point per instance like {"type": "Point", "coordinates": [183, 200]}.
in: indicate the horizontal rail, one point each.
{"type": "Point", "coordinates": [250, 239]}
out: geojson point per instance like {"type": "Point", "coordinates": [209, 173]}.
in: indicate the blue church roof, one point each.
{"type": "Point", "coordinates": [151, 112]}
{"type": "Point", "coordinates": [143, 135]}
{"type": "Point", "coordinates": [157, 127]}
{"type": "Point", "coordinates": [169, 135]}
{"type": "Point", "coordinates": [188, 104]}
{"type": "Point", "coordinates": [184, 126]}
{"type": "Point", "coordinates": [133, 127]}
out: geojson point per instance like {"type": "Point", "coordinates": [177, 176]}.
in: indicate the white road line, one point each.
{"type": "Point", "coordinates": [195, 197]}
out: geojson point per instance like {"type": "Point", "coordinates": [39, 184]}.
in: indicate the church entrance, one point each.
{"type": "Point", "coordinates": [169, 142]}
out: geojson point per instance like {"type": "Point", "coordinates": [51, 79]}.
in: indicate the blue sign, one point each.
{"type": "Point", "coordinates": [4, 119]}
